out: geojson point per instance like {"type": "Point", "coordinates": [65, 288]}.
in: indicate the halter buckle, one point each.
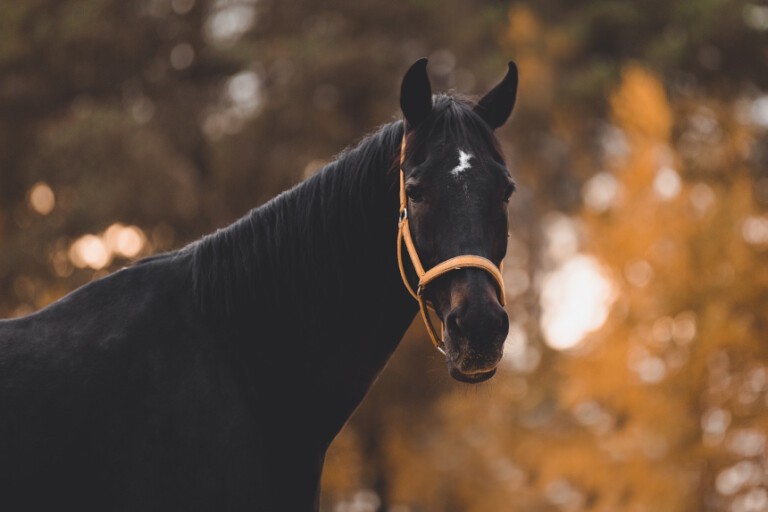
{"type": "Point", "coordinates": [403, 215]}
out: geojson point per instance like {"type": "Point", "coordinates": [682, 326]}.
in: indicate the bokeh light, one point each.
{"type": "Point", "coordinates": [634, 375]}
{"type": "Point", "coordinates": [90, 251]}
{"type": "Point", "coordinates": [601, 191]}
{"type": "Point", "coordinates": [575, 299]}
{"type": "Point", "coordinates": [126, 241]}
{"type": "Point", "coordinates": [41, 198]}
{"type": "Point", "coordinates": [182, 56]}
{"type": "Point", "coordinates": [98, 251]}
{"type": "Point", "coordinates": [667, 183]}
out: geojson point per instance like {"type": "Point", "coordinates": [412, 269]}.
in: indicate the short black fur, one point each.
{"type": "Point", "coordinates": [215, 377]}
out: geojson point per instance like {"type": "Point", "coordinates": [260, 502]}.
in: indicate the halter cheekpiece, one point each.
{"type": "Point", "coordinates": [426, 277]}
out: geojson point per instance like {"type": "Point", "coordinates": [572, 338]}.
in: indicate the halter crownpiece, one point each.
{"type": "Point", "coordinates": [426, 277]}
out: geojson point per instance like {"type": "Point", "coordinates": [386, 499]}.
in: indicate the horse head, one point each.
{"type": "Point", "coordinates": [455, 189]}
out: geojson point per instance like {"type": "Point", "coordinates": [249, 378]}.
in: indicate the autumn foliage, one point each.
{"type": "Point", "coordinates": [636, 369]}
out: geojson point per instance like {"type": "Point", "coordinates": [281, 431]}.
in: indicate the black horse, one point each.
{"type": "Point", "coordinates": [215, 377]}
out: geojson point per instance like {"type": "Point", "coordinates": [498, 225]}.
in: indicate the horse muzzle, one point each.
{"type": "Point", "coordinates": [474, 339]}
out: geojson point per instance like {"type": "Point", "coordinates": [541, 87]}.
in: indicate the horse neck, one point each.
{"type": "Point", "coordinates": [338, 230]}
{"type": "Point", "coordinates": [309, 283]}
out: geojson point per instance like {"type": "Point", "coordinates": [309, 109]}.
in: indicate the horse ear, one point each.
{"type": "Point", "coordinates": [496, 106]}
{"type": "Point", "coordinates": [416, 93]}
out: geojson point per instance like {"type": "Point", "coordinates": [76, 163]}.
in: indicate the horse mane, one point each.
{"type": "Point", "coordinates": [259, 252]}
{"type": "Point", "coordinates": [256, 260]}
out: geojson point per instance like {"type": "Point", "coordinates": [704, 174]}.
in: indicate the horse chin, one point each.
{"type": "Point", "coordinates": [472, 378]}
{"type": "Point", "coordinates": [469, 366]}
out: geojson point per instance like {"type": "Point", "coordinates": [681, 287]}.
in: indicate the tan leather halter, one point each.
{"type": "Point", "coordinates": [426, 277]}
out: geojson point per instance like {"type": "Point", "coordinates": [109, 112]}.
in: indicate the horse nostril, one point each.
{"type": "Point", "coordinates": [477, 323]}
{"type": "Point", "coordinates": [453, 324]}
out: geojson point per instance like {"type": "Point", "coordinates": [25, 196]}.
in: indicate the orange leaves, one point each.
{"type": "Point", "coordinates": [640, 105]}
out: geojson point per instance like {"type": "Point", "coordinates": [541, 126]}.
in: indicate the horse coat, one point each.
{"type": "Point", "coordinates": [216, 376]}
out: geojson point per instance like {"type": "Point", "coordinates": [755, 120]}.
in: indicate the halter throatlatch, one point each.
{"type": "Point", "coordinates": [426, 277]}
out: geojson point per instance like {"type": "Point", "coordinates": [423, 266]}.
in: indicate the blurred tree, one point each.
{"type": "Point", "coordinates": [100, 101]}
{"type": "Point", "coordinates": [641, 137]}
{"type": "Point", "coordinates": [658, 176]}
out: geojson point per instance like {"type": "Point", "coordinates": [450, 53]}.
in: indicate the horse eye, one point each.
{"type": "Point", "coordinates": [509, 191]}
{"type": "Point", "coordinates": [414, 193]}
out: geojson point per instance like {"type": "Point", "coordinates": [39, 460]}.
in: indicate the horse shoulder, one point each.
{"type": "Point", "coordinates": [123, 373]}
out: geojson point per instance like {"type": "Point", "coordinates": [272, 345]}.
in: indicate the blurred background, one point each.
{"type": "Point", "coordinates": [635, 375]}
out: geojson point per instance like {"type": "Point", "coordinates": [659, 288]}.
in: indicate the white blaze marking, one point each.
{"type": "Point", "coordinates": [463, 164]}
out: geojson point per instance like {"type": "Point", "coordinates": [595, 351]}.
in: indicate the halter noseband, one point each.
{"type": "Point", "coordinates": [426, 277]}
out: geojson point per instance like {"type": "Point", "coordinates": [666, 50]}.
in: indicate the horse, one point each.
{"type": "Point", "coordinates": [215, 377]}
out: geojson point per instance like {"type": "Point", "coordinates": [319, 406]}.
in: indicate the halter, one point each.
{"type": "Point", "coordinates": [426, 277]}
